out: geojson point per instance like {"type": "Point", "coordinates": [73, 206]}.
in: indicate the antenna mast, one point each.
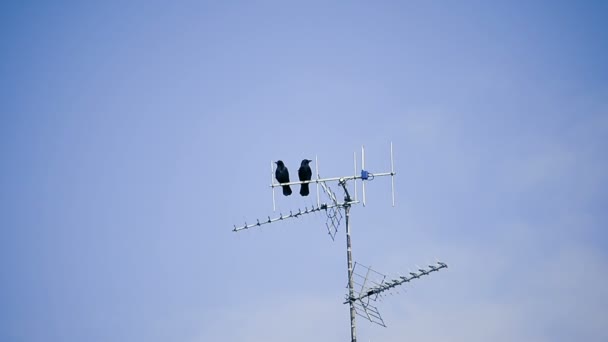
{"type": "Point", "coordinates": [349, 258]}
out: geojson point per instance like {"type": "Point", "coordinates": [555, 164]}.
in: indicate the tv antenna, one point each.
{"type": "Point", "coordinates": [365, 285]}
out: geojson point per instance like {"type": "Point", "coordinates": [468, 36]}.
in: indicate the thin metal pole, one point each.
{"type": "Point", "coordinates": [392, 175]}
{"type": "Point", "coordinates": [317, 166]}
{"type": "Point", "coordinates": [351, 291]}
{"type": "Point", "coordinates": [274, 207]}
{"type": "Point", "coordinates": [355, 174]}
{"type": "Point", "coordinates": [363, 168]}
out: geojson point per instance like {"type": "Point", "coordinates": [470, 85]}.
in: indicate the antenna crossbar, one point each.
{"type": "Point", "coordinates": [368, 176]}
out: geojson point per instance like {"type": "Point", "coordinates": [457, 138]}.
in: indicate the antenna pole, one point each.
{"type": "Point", "coordinates": [349, 258]}
{"type": "Point", "coordinates": [351, 291]}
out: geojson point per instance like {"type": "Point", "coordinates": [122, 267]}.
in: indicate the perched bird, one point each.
{"type": "Point", "coordinates": [282, 176]}
{"type": "Point", "coordinates": [305, 173]}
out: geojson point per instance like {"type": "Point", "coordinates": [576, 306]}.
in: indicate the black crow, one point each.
{"type": "Point", "coordinates": [305, 173]}
{"type": "Point", "coordinates": [282, 176]}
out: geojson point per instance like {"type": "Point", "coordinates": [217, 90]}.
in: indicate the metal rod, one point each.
{"type": "Point", "coordinates": [355, 174]}
{"type": "Point", "coordinates": [274, 208]}
{"type": "Point", "coordinates": [381, 174]}
{"type": "Point", "coordinates": [393, 175]}
{"type": "Point", "coordinates": [320, 180]}
{"type": "Point", "coordinates": [317, 167]}
{"type": "Point", "coordinates": [351, 292]}
{"type": "Point", "coordinates": [333, 179]}
{"type": "Point", "coordinates": [363, 168]}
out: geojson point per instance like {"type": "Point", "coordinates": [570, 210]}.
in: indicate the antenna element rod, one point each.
{"type": "Point", "coordinates": [274, 208]}
{"type": "Point", "coordinates": [392, 175]}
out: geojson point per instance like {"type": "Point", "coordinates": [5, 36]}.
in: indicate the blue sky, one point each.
{"type": "Point", "coordinates": [134, 136]}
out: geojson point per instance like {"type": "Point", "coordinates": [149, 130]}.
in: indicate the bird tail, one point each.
{"type": "Point", "coordinates": [286, 190]}
{"type": "Point", "coordinates": [304, 191]}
